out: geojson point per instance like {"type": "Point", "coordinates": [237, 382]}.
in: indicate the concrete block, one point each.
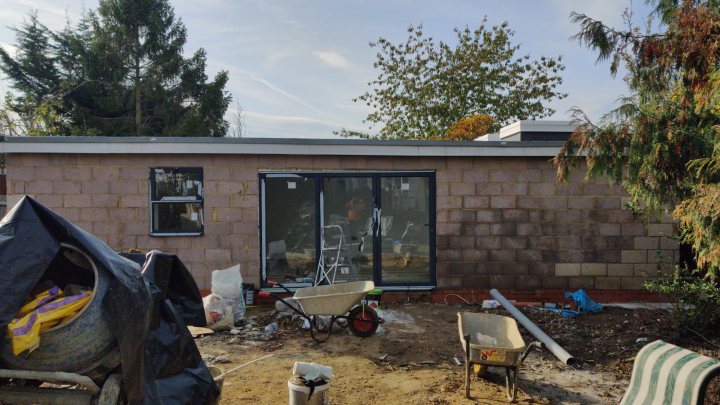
{"type": "Point", "coordinates": [474, 202]}
{"type": "Point", "coordinates": [475, 176]}
{"type": "Point", "coordinates": [488, 242]}
{"type": "Point", "coordinates": [528, 202]}
{"type": "Point", "coordinates": [632, 283]}
{"type": "Point", "coordinates": [460, 242]}
{"type": "Point", "coordinates": [39, 187]}
{"type": "Point", "coordinates": [609, 229]}
{"type": "Point", "coordinates": [555, 283]}
{"type": "Point", "coordinates": [78, 201]}
{"type": "Point", "coordinates": [514, 188]}
{"type": "Point", "coordinates": [567, 269]}
{"type": "Point", "coordinates": [528, 255]}
{"type": "Point", "coordinates": [660, 230]}
{"type": "Point", "coordinates": [125, 187]}
{"type": "Point", "coordinates": [449, 202]}
{"type": "Point", "coordinates": [541, 189]}
{"type": "Point", "coordinates": [514, 242]}
{"type": "Point", "coordinates": [608, 203]}
{"type": "Point", "coordinates": [462, 216]}
{"type": "Point", "coordinates": [607, 283]}
{"type": "Point", "coordinates": [586, 283]}
{"type": "Point", "coordinates": [105, 173]}
{"type": "Point", "coordinates": [582, 203]}
{"type": "Point", "coordinates": [95, 187]}
{"type": "Point", "coordinates": [488, 216]}
{"type": "Point", "coordinates": [633, 256]}
{"type": "Point", "coordinates": [646, 242]}
{"type": "Point", "coordinates": [488, 189]}
{"type": "Point", "coordinates": [501, 255]}
{"type": "Point", "coordinates": [620, 269]}
{"type": "Point", "coordinates": [462, 189]}
{"type": "Point", "coordinates": [502, 229]}
{"type": "Point", "coordinates": [512, 215]}
{"type": "Point", "coordinates": [502, 201]}
{"type": "Point", "coordinates": [593, 269]}
{"type": "Point", "coordinates": [529, 229]}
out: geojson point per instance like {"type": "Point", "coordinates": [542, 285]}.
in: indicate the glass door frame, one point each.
{"type": "Point", "coordinates": [377, 204]}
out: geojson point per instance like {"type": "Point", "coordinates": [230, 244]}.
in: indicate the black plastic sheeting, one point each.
{"type": "Point", "coordinates": [160, 361]}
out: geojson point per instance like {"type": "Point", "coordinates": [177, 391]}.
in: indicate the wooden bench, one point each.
{"type": "Point", "coordinates": [667, 374]}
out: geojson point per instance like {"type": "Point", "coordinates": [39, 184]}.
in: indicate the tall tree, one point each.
{"type": "Point", "coordinates": [119, 71]}
{"type": "Point", "coordinates": [662, 144]}
{"type": "Point", "coordinates": [425, 86]}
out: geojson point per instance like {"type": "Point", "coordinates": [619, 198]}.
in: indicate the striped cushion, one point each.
{"type": "Point", "coordinates": [667, 374]}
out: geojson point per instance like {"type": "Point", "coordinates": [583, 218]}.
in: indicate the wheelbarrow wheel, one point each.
{"type": "Point", "coordinates": [363, 321]}
{"type": "Point", "coordinates": [511, 384]}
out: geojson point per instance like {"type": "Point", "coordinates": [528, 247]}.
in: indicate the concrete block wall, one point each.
{"type": "Point", "coordinates": [519, 228]}
{"type": "Point", "coordinates": [501, 222]}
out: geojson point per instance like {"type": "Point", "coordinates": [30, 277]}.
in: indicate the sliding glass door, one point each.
{"type": "Point", "coordinates": [339, 227]}
{"type": "Point", "coordinates": [406, 229]}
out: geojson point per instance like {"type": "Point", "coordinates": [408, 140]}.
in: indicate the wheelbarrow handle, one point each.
{"type": "Point", "coordinates": [279, 298]}
{"type": "Point", "coordinates": [535, 344]}
{"type": "Point", "coordinates": [276, 284]}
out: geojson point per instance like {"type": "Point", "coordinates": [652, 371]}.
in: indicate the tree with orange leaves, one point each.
{"type": "Point", "coordinates": [662, 144]}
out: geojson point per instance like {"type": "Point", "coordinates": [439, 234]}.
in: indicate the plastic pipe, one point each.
{"type": "Point", "coordinates": [546, 340]}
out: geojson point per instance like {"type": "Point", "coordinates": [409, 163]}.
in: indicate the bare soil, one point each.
{"type": "Point", "coordinates": [412, 361]}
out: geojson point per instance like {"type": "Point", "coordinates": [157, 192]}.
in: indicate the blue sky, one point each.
{"type": "Point", "coordinates": [295, 66]}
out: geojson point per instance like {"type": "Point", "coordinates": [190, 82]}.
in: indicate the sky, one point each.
{"type": "Point", "coordinates": [295, 66]}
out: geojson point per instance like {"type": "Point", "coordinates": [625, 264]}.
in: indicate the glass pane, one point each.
{"type": "Point", "coordinates": [348, 230]}
{"type": "Point", "coordinates": [290, 229]}
{"type": "Point", "coordinates": [177, 217]}
{"type": "Point", "coordinates": [405, 229]}
{"type": "Point", "coordinates": [177, 184]}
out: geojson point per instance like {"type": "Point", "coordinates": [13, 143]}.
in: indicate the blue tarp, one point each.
{"type": "Point", "coordinates": [583, 302]}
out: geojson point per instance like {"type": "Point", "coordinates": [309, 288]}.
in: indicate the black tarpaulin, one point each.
{"type": "Point", "coordinates": [150, 329]}
{"type": "Point", "coordinates": [177, 374]}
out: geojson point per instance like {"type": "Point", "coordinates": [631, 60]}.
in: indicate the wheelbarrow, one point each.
{"type": "Point", "coordinates": [338, 301]}
{"type": "Point", "coordinates": [493, 340]}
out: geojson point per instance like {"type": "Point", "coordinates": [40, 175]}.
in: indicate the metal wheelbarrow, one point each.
{"type": "Point", "coordinates": [338, 301]}
{"type": "Point", "coordinates": [493, 341]}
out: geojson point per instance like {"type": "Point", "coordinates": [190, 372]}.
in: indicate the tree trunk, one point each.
{"type": "Point", "coordinates": [138, 101]}
{"type": "Point", "coordinates": [138, 97]}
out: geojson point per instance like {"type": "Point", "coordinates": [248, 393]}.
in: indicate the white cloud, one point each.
{"type": "Point", "coordinates": [333, 59]}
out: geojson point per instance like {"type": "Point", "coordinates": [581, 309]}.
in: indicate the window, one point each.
{"type": "Point", "coordinates": [176, 201]}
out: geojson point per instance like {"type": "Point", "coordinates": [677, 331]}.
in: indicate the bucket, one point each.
{"type": "Point", "coordinates": [372, 299]}
{"type": "Point", "coordinates": [299, 393]}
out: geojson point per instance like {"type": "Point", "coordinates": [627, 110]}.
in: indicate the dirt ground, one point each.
{"type": "Point", "coordinates": [412, 361]}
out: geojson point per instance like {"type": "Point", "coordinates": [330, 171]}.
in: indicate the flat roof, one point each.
{"type": "Point", "coordinates": [271, 146]}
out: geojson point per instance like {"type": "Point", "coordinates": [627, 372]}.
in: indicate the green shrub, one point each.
{"type": "Point", "coordinates": [696, 300]}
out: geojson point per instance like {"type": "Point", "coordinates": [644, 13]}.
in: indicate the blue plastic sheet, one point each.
{"type": "Point", "coordinates": [583, 302]}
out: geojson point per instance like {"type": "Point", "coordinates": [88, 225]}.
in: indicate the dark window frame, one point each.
{"type": "Point", "coordinates": [197, 199]}
{"type": "Point", "coordinates": [375, 175]}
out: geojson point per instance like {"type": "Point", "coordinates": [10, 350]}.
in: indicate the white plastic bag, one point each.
{"type": "Point", "coordinates": [218, 314]}
{"type": "Point", "coordinates": [228, 284]}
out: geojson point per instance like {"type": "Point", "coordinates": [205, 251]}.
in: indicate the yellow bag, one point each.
{"type": "Point", "coordinates": [25, 331]}
{"type": "Point", "coordinates": [40, 300]}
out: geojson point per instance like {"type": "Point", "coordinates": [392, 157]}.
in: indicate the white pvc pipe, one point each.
{"type": "Point", "coordinates": [546, 340]}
